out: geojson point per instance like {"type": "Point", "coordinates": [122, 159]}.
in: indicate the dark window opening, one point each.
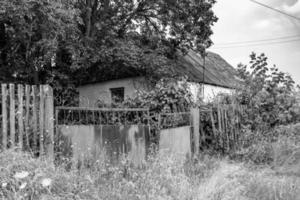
{"type": "Point", "coordinates": [117, 95]}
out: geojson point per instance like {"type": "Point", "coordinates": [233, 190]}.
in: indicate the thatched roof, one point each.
{"type": "Point", "coordinates": [216, 71]}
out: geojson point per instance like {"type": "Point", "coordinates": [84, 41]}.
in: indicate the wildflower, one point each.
{"type": "Point", "coordinates": [21, 175]}
{"type": "Point", "coordinates": [23, 185]}
{"type": "Point", "coordinates": [46, 182]}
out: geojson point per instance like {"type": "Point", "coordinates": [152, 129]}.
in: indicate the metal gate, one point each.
{"type": "Point", "coordinates": [87, 133]}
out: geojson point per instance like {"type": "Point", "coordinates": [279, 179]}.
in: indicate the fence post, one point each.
{"type": "Point", "coordinates": [20, 116]}
{"type": "Point", "coordinates": [195, 112]}
{"type": "Point", "coordinates": [12, 113]}
{"type": "Point", "coordinates": [4, 116]}
{"type": "Point", "coordinates": [41, 116]}
{"type": "Point", "coordinates": [27, 106]}
{"type": "Point", "coordinates": [34, 118]}
{"type": "Point", "coordinates": [49, 121]}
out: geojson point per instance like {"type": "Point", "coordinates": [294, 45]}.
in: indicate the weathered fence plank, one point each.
{"type": "Point", "coordinates": [27, 108]}
{"type": "Point", "coordinates": [219, 119]}
{"type": "Point", "coordinates": [49, 120]}
{"type": "Point", "coordinates": [34, 117]}
{"type": "Point", "coordinates": [227, 129]}
{"type": "Point", "coordinates": [12, 113]}
{"type": "Point", "coordinates": [20, 116]}
{"type": "Point", "coordinates": [4, 115]}
{"type": "Point", "coordinates": [196, 127]}
{"type": "Point", "coordinates": [213, 124]}
{"type": "Point", "coordinates": [41, 117]}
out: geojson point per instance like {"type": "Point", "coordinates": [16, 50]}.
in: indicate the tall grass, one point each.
{"type": "Point", "coordinates": [162, 177]}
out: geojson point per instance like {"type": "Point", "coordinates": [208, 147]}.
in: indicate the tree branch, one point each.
{"type": "Point", "coordinates": [140, 9]}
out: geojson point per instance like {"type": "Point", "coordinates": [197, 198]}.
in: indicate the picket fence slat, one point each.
{"type": "Point", "coordinates": [4, 115]}
{"type": "Point", "coordinates": [213, 123]}
{"type": "Point", "coordinates": [219, 120]}
{"type": "Point", "coordinates": [41, 117]}
{"type": "Point", "coordinates": [227, 131]}
{"type": "Point", "coordinates": [34, 117]}
{"type": "Point", "coordinates": [12, 113]}
{"type": "Point", "coordinates": [27, 108]}
{"type": "Point", "coordinates": [20, 116]}
{"type": "Point", "coordinates": [49, 125]}
{"type": "Point", "coordinates": [196, 127]}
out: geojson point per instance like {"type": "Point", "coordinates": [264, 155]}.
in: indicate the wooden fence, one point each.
{"type": "Point", "coordinates": [27, 118]}
{"type": "Point", "coordinates": [217, 127]}
{"type": "Point", "coordinates": [224, 130]}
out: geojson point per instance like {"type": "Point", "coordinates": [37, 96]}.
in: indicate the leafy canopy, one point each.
{"type": "Point", "coordinates": [61, 42]}
{"type": "Point", "coordinates": [268, 93]}
{"type": "Point", "coordinates": [30, 32]}
{"type": "Point", "coordinates": [141, 35]}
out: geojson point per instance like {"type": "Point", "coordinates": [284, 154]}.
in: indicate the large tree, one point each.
{"type": "Point", "coordinates": [187, 23]}
{"type": "Point", "coordinates": [99, 36]}
{"type": "Point", "coordinates": [30, 32]}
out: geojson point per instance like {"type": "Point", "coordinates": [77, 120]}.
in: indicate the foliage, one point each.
{"type": "Point", "coordinates": [140, 37]}
{"type": "Point", "coordinates": [67, 42]}
{"type": "Point", "coordinates": [185, 24]}
{"type": "Point", "coordinates": [265, 147]}
{"type": "Point", "coordinates": [268, 94]}
{"type": "Point", "coordinates": [168, 95]}
{"type": "Point", "coordinates": [31, 32]}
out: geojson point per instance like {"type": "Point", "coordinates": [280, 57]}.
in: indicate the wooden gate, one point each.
{"type": "Point", "coordinates": [27, 118]}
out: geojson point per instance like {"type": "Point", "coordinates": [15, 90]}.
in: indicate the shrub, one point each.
{"type": "Point", "coordinates": [166, 95]}
{"type": "Point", "coordinates": [269, 95]}
{"type": "Point", "coordinates": [264, 147]}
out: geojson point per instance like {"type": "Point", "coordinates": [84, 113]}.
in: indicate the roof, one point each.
{"type": "Point", "coordinates": [215, 72]}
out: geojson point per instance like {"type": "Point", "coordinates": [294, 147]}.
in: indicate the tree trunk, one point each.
{"type": "Point", "coordinates": [2, 35]}
{"type": "Point", "coordinates": [36, 77]}
{"type": "Point", "coordinates": [88, 18]}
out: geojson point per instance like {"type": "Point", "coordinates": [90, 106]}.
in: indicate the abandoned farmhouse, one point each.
{"type": "Point", "coordinates": [207, 78]}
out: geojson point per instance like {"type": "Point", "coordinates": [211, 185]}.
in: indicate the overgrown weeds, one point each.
{"type": "Point", "coordinates": [268, 148]}
{"type": "Point", "coordinates": [163, 177]}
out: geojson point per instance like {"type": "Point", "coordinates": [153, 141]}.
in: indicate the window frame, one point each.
{"type": "Point", "coordinates": [117, 92]}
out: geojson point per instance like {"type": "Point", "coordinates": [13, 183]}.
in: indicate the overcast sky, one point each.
{"type": "Point", "coordinates": [243, 21]}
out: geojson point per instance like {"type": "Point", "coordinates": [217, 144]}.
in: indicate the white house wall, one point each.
{"type": "Point", "coordinates": [207, 92]}
{"type": "Point", "coordinates": [210, 92]}
{"type": "Point", "coordinates": [196, 90]}
{"type": "Point", "coordinates": [90, 94]}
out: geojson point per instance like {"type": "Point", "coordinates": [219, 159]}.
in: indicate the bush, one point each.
{"type": "Point", "coordinates": [168, 94]}
{"type": "Point", "coordinates": [269, 95]}
{"type": "Point", "coordinates": [265, 147]}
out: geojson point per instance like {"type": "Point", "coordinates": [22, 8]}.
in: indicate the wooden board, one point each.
{"type": "Point", "coordinates": [20, 116]}
{"type": "Point", "coordinates": [4, 115]}
{"type": "Point", "coordinates": [12, 114]}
